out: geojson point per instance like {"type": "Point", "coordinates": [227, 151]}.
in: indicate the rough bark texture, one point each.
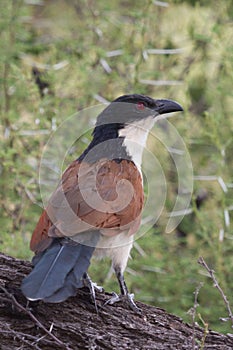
{"type": "Point", "coordinates": [75, 324]}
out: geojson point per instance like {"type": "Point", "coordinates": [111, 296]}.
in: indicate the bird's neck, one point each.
{"type": "Point", "coordinates": [114, 142]}
{"type": "Point", "coordinates": [135, 138]}
{"type": "Point", "coordinates": [106, 143]}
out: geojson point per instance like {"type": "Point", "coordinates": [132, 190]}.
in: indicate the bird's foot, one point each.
{"type": "Point", "coordinates": [127, 298]}
{"type": "Point", "coordinates": [93, 287]}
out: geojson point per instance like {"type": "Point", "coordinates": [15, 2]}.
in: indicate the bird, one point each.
{"type": "Point", "coordinates": [96, 208]}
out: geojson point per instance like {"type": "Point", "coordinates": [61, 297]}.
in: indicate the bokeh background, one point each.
{"type": "Point", "coordinates": [59, 57]}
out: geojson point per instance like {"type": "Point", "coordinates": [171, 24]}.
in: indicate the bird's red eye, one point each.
{"type": "Point", "coordinates": [140, 106]}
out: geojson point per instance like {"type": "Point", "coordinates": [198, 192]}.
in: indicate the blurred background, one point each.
{"type": "Point", "coordinates": [59, 57]}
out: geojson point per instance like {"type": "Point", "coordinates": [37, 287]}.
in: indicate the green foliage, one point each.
{"type": "Point", "coordinates": [67, 41]}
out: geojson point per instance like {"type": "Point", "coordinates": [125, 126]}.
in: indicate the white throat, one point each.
{"type": "Point", "coordinates": [136, 135]}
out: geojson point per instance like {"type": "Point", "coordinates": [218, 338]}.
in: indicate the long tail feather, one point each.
{"type": "Point", "coordinates": [58, 271]}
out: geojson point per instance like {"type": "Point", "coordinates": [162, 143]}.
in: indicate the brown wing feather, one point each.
{"type": "Point", "coordinates": [40, 240]}
{"type": "Point", "coordinates": [107, 195]}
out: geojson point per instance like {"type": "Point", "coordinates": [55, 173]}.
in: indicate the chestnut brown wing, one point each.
{"type": "Point", "coordinates": [106, 196]}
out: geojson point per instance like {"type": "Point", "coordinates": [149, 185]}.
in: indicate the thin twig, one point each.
{"type": "Point", "coordinates": [21, 336]}
{"type": "Point", "coordinates": [202, 262]}
{"type": "Point", "coordinates": [193, 312]}
{"type": "Point", "coordinates": [30, 314]}
{"type": "Point", "coordinates": [206, 331]}
{"type": "Point", "coordinates": [35, 340]}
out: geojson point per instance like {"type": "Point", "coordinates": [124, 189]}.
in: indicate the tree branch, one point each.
{"type": "Point", "coordinates": [76, 325]}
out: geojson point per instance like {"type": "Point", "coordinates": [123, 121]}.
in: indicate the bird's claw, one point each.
{"type": "Point", "coordinates": [97, 288]}
{"type": "Point", "coordinates": [127, 298]}
{"type": "Point", "coordinates": [93, 287]}
{"type": "Point", "coordinates": [114, 299]}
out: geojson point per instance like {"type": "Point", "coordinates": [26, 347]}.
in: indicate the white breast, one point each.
{"type": "Point", "coordinates": [117, 248]}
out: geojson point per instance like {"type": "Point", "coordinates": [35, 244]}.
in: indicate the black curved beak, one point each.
{"type": "Point", "coordinates": [167, 106]}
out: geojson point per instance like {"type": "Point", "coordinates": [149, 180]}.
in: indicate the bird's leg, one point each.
{"type": "Point", "coordinates": [93, 287]}
{"type": "Point", "coordinates": [125, 295]}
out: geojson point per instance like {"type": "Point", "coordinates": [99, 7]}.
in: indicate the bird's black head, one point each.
{"type": "Point", "coordinates": [126, 115]}
{"type": "Point", "coordinates": [128, 109]}
{"type": "Point", "coordinates": [147, 104]}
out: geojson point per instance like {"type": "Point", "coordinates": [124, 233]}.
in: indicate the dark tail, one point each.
{"type": "Point", "coordinates": [59, 270]}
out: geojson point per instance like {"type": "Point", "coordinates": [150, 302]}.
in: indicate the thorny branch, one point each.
{"type": "Point", "coordinates": [24, 337]}
{"type": "Point", "coordinates": [34, 319]}
{"type": "Point", "coordinates": [202, 262]}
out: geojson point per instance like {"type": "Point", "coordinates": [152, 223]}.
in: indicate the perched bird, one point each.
{"type": "Point", "coordinates": [96, 208]}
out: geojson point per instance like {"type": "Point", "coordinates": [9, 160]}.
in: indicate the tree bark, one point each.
{"type": "Point", "coordinates": [75, 324]}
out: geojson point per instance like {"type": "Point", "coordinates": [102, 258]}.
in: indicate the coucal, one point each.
{"type": "Point", "coordinates": [96, 208]}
